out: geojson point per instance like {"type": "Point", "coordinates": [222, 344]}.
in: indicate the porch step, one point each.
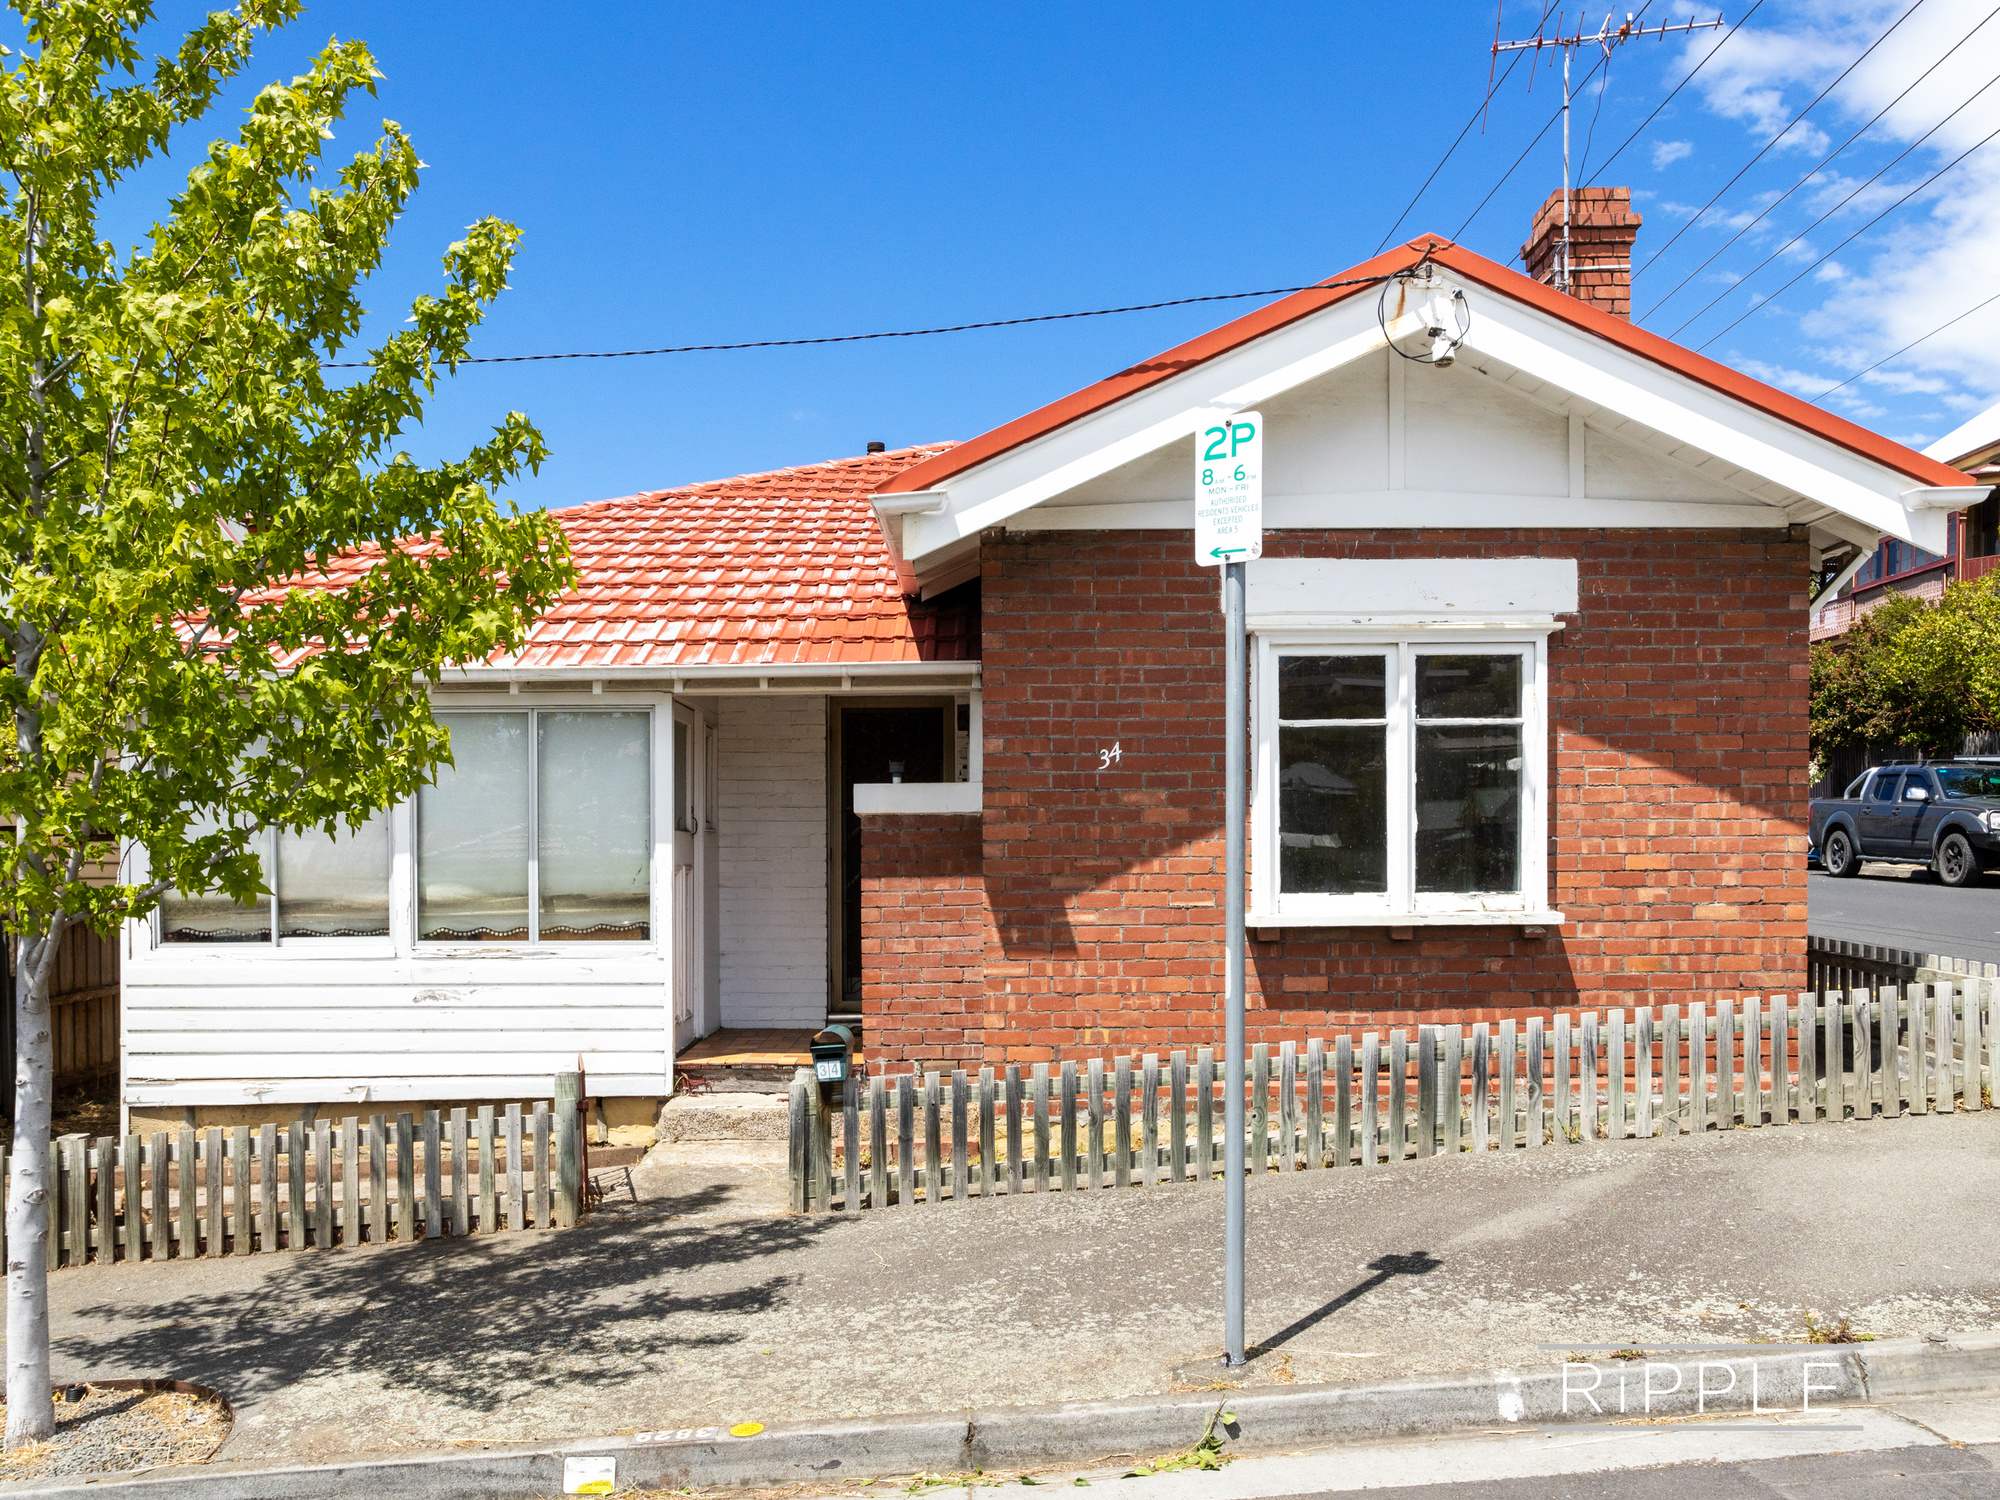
{"type": "Point", "coordinates": [723, 1117]}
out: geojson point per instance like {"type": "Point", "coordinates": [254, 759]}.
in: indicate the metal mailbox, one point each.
{"type": "Point", "coordinates": [833, 1056]}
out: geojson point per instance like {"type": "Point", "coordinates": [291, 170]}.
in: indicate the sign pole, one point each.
{"type": "Point", "coordinates": [1235, 717]}
{"type": "Point", "coordinates": [1228, 532]}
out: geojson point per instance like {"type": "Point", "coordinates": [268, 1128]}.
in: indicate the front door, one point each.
{"type": "Point", "coordinates": [685, 887]}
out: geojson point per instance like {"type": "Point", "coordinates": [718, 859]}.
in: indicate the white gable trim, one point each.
{"type": "Point", "coordinates": [1835, 488]}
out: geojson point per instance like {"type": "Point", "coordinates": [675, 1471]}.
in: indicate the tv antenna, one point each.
{"type": "Point", "coordinates": [1604, 39]}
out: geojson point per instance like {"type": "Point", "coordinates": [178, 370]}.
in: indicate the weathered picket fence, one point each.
{"type": "Point", "coordinates": [1835, 964]}
{"type": "Point", "coordinates": [1369, 1102]}
{"type": "Point", "coordinates": [240, 1191]}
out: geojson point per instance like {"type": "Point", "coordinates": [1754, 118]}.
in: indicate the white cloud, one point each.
{"type": "Point", "coordinates": [1932, 258]}
{"type": "Point", "coordinates": [1666, 153]}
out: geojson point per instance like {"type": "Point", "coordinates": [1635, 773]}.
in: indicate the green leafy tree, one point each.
{"type": "Point", "coordinates": [180, 483]}
{"type": "Point", "coordinates": [1911, 673]}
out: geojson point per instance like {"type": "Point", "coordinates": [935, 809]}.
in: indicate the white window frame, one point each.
{"type": "Point", "coordinates": [274, 943]}
{"type": "Point", "coordinates": [1401, 905]}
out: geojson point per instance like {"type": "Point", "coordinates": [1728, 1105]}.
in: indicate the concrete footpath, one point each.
{"type": "Point", "coordinates": [665, 1313]}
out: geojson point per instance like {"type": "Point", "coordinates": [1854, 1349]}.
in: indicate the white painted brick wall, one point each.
{"type": "Point", "coordinates": [771, 802]}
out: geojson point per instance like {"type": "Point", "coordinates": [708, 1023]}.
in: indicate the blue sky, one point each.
{"type": "Point", "coordinates": [691, 174]}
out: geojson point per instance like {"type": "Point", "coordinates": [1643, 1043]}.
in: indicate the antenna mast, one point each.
{"type": "Point", "coordinates": [1604, 38]}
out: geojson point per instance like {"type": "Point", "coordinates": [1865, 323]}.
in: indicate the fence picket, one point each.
{"type": "Point", "coordinates": [1509, 1062]}
{"type": "Point", "coordinates": [1013, 1130]}
{"type": "Point", "coordinates": [1093, 1124]}
{"type": "Point", "coordinates": [1781, 1060]}
{"type": "Point", "coordinates": [1482, 1061]}
{"type": "Point", "coordinates": [162, 1221]}
{"type": "Point", "coordinates": [1942, 998]}
{"type": "Point", "coordinates": [1808, 1030]}
{"type": "Point", "coordinates": [906, 1140]}
{"type": "Point", "coordinates": [1067, 1134]}
{"type": "Point", "coordinates": [75, 1183]}
{"type": "Point", "coordinates": [1450, 1084]}
{"type": "Point", "coordinates": [1591, 1038]}
{"type": "Point", "coordinates": [1288, 1107]}
{"type": "Point", "coordinates": [1258, 1157]}
{"type": "Point", "coordinates": [350, 1181]}
{"type": "Point", "coordinates": [1430, 1043]}
{"type": "Point", "coordinates": [1672, 1120]}
{"type": "Point", "coordinates": [1204, 1110]}
{"type": "Point", "coordinates": [323, 1177]}
{"type": "Point", "coordinates": [961, 1147]}
{"type": "Point", "coordinates": [1177, 1142]}
{"type": "Point", "coordinates": [1563, 1130]}
{"type": "Point", "coordinates": [516, 1200]}
{"type": "Point", "coordinates": [1537, 1060]}
{"type": "Point", "coordinates": [1643, 1075]}
{"type": "Point", "coordinates": [489, 1196]}
{"type": "Point", "coordinates": [293, 1228]}
{"type": "Point", "coordinates": [850, 1139]}
{"type": "Point", "coordinates": [878, 1142]}
{"type": "Point", "coordinates": [1149, 1119]}
{"type": "Point", "coordinates": [1614, 1065]}
{"type": "Point", "coordinates": [103, 1234]}
{"type": "Point", "coordinates": [1371, 1100]}
{"type": "Point", "coordinates": [1315, 1105]}
{"type": "Point", "coordinates": [987, 1164]}
{"type": "Point", "coordinates": [134, 1225]}
{"type": "Point", "coordinates": [1121, 1133]}
{"type": "Point", "coordinates": [1343, 1100]}
{"type": "Point", "coordinates": [1697, 1051]}
{"type": "Point", "coordinates": [933, 1139]}
{"type": "Point", "coordinates": [543, 1128]}
{"type": "Point", "coordinates": [1041, 1081]}
{"type": "Point", "coordinates": [242, 1190]}
{"type": "Point", "coordinates": [1399, 1067]}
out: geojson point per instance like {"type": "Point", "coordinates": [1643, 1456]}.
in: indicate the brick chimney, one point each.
{"type": "Point", "coordinates": [1602, 229]}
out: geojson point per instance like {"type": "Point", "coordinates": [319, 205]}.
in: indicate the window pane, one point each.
{"type": "Point", "coordinates": [1886, 787]}
{"type": "Point", "coordinates": [472, 834]}
{"type": "Point", "coordinates": [1469, 687]}
{"type": "Point", "coordinates": [595, 840]}
{"type": "Point", "coordinates": [212, 918]}
{"type": "Point", "coordinates": [1332, 687]}
{"type": "Point", "coordinates": [1469, 808]}
{"type": "Point", "coordinates": [682, 823]}
{"type": "Point", "coordinates": [1333, 810]}
{"type": "Point", "coordinates": [335, 885]}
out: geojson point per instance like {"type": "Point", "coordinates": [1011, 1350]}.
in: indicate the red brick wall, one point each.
{"type": "Point", "coordinates": [1677, 721]}
{"type": "Point", "coordinates": [923, 939]}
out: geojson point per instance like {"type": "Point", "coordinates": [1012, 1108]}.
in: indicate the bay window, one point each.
{"type": "Point", "coordinates": [1399, 780]}
{"type": "Point", "coordinates": [541, 830]}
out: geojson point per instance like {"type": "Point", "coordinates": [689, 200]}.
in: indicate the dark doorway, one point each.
{"type": "Point", "coordinates": [877, 742]}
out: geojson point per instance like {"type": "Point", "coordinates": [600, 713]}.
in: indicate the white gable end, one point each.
{"type": "Point", "coordinates": [1536, 423]}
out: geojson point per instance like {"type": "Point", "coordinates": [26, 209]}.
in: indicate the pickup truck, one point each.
{"type": "Point", "coordinates": [1945, 814]}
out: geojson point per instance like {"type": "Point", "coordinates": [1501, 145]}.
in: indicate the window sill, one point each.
{"type": "Point", "coordinates": [1407, 919]}
{"type": "Point", "coordinates": [872, 798]}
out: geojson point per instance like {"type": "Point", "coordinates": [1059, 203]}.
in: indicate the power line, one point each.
{"type": "Point", "coordinates": [1605, 165]}
{"type": "Point", "coordinates": [1459, 140]}
{"type": "Point", "coordinates": [1654, 258]}
{"type": "Point", "coordinates": [904, 333]}
{"type": "Point", "coordinates": [1820, 165]}
{"type": "Point", "coordinates": [1852, 194]}
{"type": "Point", "coordinates": [1459, 233]}
{"type": "Point", "coordinates": [1766, 303]}
{"type": "Point", "coordinates": [1905, 349]}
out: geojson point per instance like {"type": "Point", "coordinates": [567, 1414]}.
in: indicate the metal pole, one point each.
{"type": "Point", "coordinates": [1562, 269]}
{"type": "Point", "coordinates": [1236, 723]}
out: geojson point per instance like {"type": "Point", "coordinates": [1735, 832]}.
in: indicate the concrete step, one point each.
{"type": "Point", "coordinates": [723, 1117]}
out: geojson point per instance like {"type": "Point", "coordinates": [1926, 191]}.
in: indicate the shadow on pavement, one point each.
{"type": "Point", "coordinates": [476, 1322]}
{"type": "Point", "coordinates": [1386, 1269]}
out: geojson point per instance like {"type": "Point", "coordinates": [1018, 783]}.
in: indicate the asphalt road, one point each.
{"type": "Point", "coordinates": [1899, 906]}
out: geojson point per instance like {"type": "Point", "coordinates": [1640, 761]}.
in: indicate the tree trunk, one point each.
{"type": "Point", "coordinates": [30, 1395]}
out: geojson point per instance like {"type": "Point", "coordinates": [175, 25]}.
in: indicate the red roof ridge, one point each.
{"type": "Point", "coordinates": [1473, 267]}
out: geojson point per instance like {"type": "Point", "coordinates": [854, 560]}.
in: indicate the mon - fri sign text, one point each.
{"type": "Point", "coordinates": [1229, 490]}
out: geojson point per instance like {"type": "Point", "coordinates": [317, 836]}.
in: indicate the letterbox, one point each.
{"type": "Point", "coordinates": [832, 1055]}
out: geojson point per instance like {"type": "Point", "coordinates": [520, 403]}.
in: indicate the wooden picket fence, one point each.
{"type": "Point", "coordinates": [1369, 1101]}
{"type": "Point", "coordinates": [246, 1190]}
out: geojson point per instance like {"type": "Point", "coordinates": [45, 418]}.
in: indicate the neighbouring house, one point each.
{"type": "Point", "coordinates": [931, 740]}
{"type": "Point", "coordinates": [1972, 545]}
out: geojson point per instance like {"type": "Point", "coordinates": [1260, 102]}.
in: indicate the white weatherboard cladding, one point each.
{"type": "Point", "coordinates": [1538, 423]}
{"type": "Point", "coordinates": [385, 1021]}
{"type": "Point", "coordinates": [771, 808]}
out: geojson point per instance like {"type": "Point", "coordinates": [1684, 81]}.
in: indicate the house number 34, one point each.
{"type": "Point", "coordinates": [1109, 758]}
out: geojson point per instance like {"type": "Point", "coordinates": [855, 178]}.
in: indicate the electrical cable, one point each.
{"type": "Point", "coordinates": [1905, 349]}
{"type": "Point", "coordinates": [1852, 194]}
{"type": "Point", "coordinates": [1820, 166]}
{"type": "Point", "coordinates": [1768, 301]}
{"type": "Point", "coordinates": [1461, 315]}
{"type": "Point", "coordinates": [1605, 165]}
{"type": "Point", "coordinates": [904, 333]}
{"type": "Point", "coordinates": [1491, 86]}
{"type": "Point", "coordinates": [1653, 259]}
{"type": "Point", "coordinates": [1583, 161]}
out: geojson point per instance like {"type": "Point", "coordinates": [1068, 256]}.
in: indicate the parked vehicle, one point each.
{"type": "Point", "coordinates": [1945, 814]}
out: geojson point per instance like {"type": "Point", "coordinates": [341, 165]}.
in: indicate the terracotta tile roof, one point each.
{"type": "Point", "coordinates": [763, 569]}
{"type": "Point", "coordinates": [1473, 268]}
